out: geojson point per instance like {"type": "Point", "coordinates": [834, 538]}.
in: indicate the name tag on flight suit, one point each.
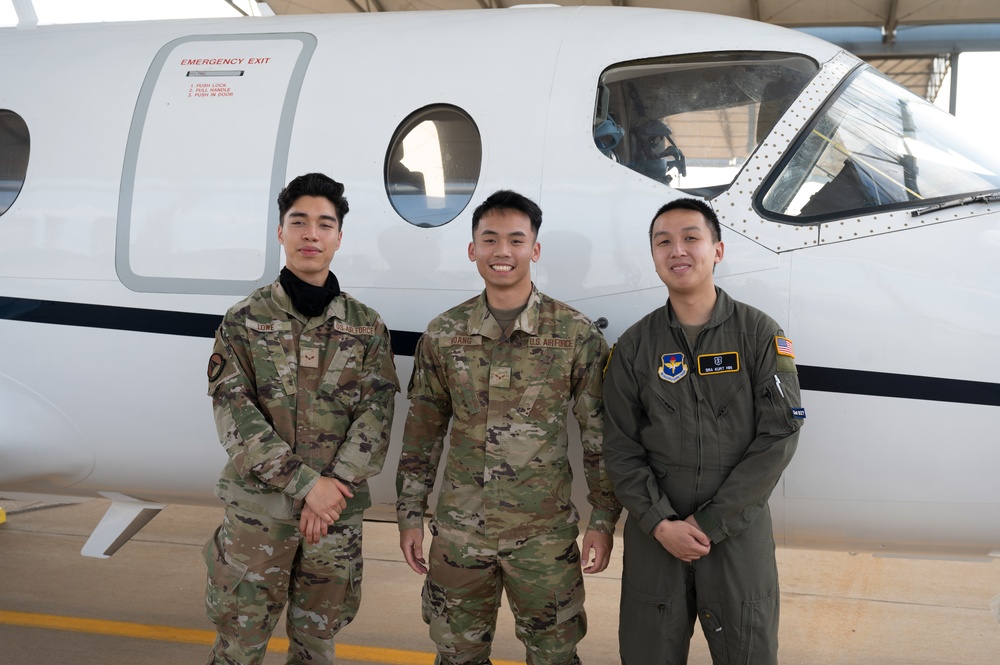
{"type": "Point", "coordinates": [718, 363]}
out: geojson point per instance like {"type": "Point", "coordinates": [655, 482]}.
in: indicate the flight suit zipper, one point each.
{"type": "Point", "coordinates": [697, 411]}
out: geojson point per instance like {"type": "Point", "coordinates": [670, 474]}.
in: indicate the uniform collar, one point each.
{"type": "Point", "coordinates": [335, 310]}
{"type": "Point", "coordinates": [481, 322]}
{"type": "Point", "coordinates": [724, 306]}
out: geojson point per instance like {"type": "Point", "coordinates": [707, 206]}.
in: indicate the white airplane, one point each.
{"type": "Point", "coordinates": [139, 165]}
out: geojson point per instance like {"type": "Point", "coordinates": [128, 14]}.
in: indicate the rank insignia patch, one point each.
{"type": "Point", "coordinates": [500, 377]}
{"type": "Point", "coordinates": [309, 358]}
{"type": "Point", "coordinates": [784, 346]}
{"type": "Point", "coordinates": [215, 366]}
{"type": "Point", "coordinates": [672, 367]}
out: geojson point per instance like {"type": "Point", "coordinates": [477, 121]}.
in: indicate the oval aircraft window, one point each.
{"type": "Point", "coordinates": [14, 144]}
{"type": "Point", "coordinates": [433, 165]}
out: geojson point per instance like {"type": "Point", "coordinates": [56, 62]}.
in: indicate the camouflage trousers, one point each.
{"type": "Point", "coordinates": [256, 564]}
{"type": "Point", "coordinates": [544, 584]}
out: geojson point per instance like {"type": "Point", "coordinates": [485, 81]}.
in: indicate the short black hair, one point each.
{"type": "Point", "coordinates": [313, 184]}
{"type": "Point", "coordinates": [504, 200]}
{"type": "Point", "coordinates": [691, 204]}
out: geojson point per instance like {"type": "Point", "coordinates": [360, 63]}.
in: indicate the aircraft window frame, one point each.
{"type": "Point", "coordinates": [804, 158]}
{"type": "Point", "coordinates": [709, 111]}
{"type": "Point", "coordinates": [248, 201]}
{"type": "Point", "coordinates": [15, 152]}
{"type": "Point", "coordinates": [453, 170]}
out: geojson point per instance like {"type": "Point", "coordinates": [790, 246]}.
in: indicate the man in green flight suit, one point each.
{"type": "Point", "coordinates": [303, 386]}
{"type": "Point", "coordinates": [702, 416]}
{"type": "Point", "coordinates": [503, 368]}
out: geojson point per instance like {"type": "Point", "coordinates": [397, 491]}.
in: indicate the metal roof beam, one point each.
{"type": "Point", "coordinates": [928, 40]}
{"type": "Point", "coordinates": [891, 21]}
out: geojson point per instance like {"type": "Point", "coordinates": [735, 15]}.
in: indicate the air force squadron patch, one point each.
{"type": "Point", "coordinates": [215, 366]}
{"type": "Point", "coordinates": [672, 367]}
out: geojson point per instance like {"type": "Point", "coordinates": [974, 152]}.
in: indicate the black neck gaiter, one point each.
{"type": "Point", "coordinates": [306, 298]}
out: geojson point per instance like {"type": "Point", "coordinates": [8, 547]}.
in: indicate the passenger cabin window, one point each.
{"type": "Point", "coordinates": [691, 122]}
{"type": "Point", "coordinates": [433, 165]}
{"type": "Point", "coordinates": [14, 145]}
{"type": "Point", "coordinates": [878, 146]}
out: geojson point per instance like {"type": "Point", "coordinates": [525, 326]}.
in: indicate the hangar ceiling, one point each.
{"type": "Point", "coordinates": [911, 40]}
{"type": "Point", "coordinates": [888, 14]}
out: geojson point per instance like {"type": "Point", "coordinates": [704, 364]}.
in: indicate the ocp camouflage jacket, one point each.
{"type": "Point", "coordinates": [296, 398]}
{"type": "Point", "coordinates": [507, 472]}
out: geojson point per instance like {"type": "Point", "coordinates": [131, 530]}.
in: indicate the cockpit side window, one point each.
{"type": "Point", "coordinates": [691, 122]}
{"type": "Point", "coordinates": [14, 146]}
{"type": "Point", "coordinates": [876, 147]}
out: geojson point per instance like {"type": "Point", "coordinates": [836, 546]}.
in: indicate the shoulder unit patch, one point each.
{"type": "Point", "coordinates": [215, 366]}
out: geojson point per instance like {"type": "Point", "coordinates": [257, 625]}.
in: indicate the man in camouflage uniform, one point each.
{"type": "Point", "coordinates": [702, 416]}
{"type": "Point", "coordinates": [503, 368]}
{"type": "Point", "coordinates": [302, 383]}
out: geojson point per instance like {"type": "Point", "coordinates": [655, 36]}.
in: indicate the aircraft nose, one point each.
{"type": "Point", "coordinates": [59, 454]}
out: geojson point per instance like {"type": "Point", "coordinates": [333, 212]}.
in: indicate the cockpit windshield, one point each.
{"type": "Point", "coordinates": [877, 146]}
{"type": "Point", "coordinates": [692, 121]}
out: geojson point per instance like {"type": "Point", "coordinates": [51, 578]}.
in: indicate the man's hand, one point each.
{"type": "Point", "coordinates": [683, 539]}
{"type": "Point", "coordinates": [411, 542]}
{"type": "Point", "coordinates": [328, 499]}
{"type": "Point", "coordinates": [601, 545]}
{"type": "Point", "coordinates": [311, 526]}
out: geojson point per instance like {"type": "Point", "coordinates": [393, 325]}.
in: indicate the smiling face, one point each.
{"type": "Point", "coordinates": [684, 251]}
{"type": "Point", "coordinates": [310, 233]}
{"type": "Point", "coordinates": [503, 248]}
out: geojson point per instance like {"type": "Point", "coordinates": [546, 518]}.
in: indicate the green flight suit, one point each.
{"type": "Point", "coordinates": [703, 431]}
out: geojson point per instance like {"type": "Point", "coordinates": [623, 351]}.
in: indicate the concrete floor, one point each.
{"type": "Point", "coordinates": [145, 604]}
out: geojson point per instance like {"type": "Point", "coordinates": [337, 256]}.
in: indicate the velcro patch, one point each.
{"type": "Point", "coordinates": [672, 367]}
{"type": "Point", "coordinates": [462, 340]}
{"type": "Point", "coordinates": [309, 357]}
{"type": "Point", "coordinates": [215, 366]}
{"type": "Point", "coordinates": [340, 326]}
{"type": "Point", "coordinates": [500, 377]}
{"type": "Point", "coordinates": [784, 347]}
{"type": "Point", "coordinates": [718, 363]}
{"type": "Point", "coordinates": [270, 326]}
{"type": "Point", "coordinates": [550, 342]}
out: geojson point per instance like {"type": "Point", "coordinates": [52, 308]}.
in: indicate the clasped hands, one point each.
{"type": "Point", "coordinates": [683, 538]}
{"type": "Point", "coordinates": [323, 506]}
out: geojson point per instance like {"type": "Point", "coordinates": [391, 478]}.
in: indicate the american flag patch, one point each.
{"type": "Point", "coordinates": [784, 346]}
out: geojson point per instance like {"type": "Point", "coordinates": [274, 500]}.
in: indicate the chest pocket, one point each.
{"type": "Point", "coordinates": [342, 378]}
{"type": "Point", "coordinates": [544, 362]}
{"type": "Point", "coordinates": [465, 400]}
{"type": "Point", "coordinates": [274, 364]}
{"type": "Point", "coordinates": [552, 370]}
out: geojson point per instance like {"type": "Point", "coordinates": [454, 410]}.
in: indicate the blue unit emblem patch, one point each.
{"type": "Point", "coordinates": [672, 367]}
